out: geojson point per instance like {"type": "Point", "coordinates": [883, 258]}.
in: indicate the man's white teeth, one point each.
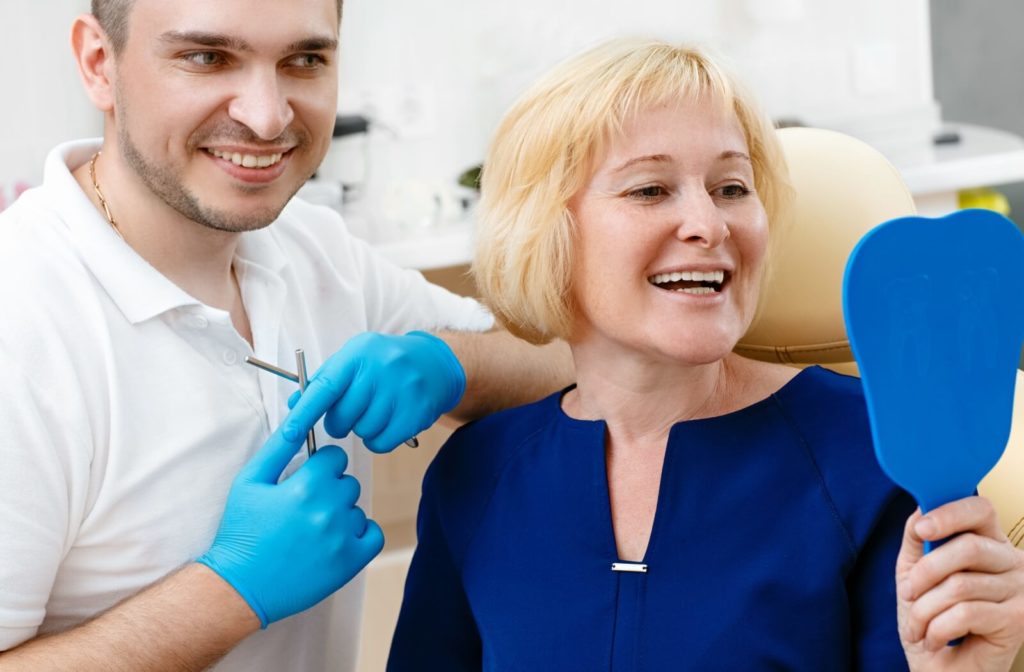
{"type": "Point", "coordinates": [247, 160]}
{"type": "Point", "coordinates": [692, 276]}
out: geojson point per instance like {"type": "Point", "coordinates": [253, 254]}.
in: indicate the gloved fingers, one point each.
{"type": "Point", "coordinates": [357, 521]}
{"type": "Point", "coordinates": [377, 417]}
{"type": "Point", "coordinates": [271, 459]}
{"type": "Point", "coordinates": [372, 541]}
{"type": "Point", "coordinates": [329, 384]}
{"type": "Point", "coordinates": [344, 414]}
{"type": "Point", "coordinates": [331, 461]}
{"type": "Point", "coordinates": [346, 491]}
{"type": "Point", "coordinates": [411, 418]}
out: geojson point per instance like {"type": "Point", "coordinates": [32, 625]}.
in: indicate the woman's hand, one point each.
{"type": "Point", "coordinates": [972, 585]}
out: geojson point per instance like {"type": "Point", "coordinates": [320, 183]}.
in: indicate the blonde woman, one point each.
{"type": "Point", "coordinates": [680, 507]}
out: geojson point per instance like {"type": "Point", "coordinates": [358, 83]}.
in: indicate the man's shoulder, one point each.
{"type": "Point", "coordinates": [43, 280]}
{"type": "Point", "coordinates": [35, 240]}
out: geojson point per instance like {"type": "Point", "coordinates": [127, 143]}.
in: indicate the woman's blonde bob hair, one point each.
{"type": "Point", "coordinates": [544, 151]}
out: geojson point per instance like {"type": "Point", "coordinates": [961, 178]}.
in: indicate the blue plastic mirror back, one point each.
{"type": "Point", "coordinates": [934, 311]}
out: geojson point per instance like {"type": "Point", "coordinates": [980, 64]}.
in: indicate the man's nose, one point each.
{"type": "Point", "coordinates": [262, 106]}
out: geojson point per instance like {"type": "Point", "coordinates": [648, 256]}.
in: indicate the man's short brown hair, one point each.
{"type": "Point", "coordinates": [113, 18]}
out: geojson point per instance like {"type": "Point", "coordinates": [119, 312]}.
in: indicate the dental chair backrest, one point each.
{"type": "Point", "coordinates": [843, 188]}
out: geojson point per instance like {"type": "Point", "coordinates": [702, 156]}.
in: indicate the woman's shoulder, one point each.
{"type": "Point", "coordinates": [816, 390]}
{"type": "Point", "coordinates": [828, 412]}
{"type": "Point", "coordinates": [480, 450]}
{"type": "Point", "coordinates": [467, 472]}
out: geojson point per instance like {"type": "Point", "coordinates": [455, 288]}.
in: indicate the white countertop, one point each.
{"type": "Point", "coordinates": [982, 157]}
{"type": "Point", "coordinates": [450, 246]}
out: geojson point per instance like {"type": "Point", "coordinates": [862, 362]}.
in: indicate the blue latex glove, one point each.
{"type": "Point", "coordinates": [286, 546]}
{"type": "Point", "coordinates": [384, 388]}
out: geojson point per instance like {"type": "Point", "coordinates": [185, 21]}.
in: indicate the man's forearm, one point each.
{"type": "Point", "coordinates": [187, 621]}
{"type": "Point", "coordinates": [504, 371]}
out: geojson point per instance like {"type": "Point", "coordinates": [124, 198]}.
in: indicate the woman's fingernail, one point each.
{"type": "Point", "coordinates": [925, 528]}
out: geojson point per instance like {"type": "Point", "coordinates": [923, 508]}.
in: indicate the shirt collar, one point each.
{"type": "Point", "coordinates": [140, 291]}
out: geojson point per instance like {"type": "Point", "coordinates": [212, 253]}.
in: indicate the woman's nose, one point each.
{"type": "Point", "coordinates": [700, 221]}
{"type": "Point", "coordinates": [262, 106]}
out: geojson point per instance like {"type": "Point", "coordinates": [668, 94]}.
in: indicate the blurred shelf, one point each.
{"type": "Point", "coordinates": [451, 246]}
{"type": "Point", "coordinates": [982, 157]}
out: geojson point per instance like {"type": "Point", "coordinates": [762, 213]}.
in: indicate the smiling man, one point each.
{"type": "Point", "coordinates": [152, 517]}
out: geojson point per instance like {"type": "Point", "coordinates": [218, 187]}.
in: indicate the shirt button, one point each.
{"type": "Point", "coordinates": [198, 322]}
{"type": "Point", "coordinates": [230, 357]}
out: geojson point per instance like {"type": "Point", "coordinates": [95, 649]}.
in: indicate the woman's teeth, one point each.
{"type": "Point", "coordinates": [689, 282]}
{"type": "Point", "coordinates": [696, 276]}
{"type": "Point", "coordinates": [247, 160]}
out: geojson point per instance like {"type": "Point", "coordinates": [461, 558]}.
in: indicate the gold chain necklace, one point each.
{"type": "Point", "coordinates": [99, 195]}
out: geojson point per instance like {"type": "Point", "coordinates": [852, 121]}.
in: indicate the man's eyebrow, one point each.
{"type": "Point", "coordinates": [313, 44]}
{"type": "Point", "coordinates": [205, 39]}
{"type": "Point", "coordinates": [221, 41]}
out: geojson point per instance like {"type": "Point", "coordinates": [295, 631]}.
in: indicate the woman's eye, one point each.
{"type": "Point", "coordinates": [648, 193]}
{"type": "Point", "coordinates": [734, 191]}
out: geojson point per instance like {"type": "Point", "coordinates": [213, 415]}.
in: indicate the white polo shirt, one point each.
{"type": "Point", "coordinates": [128, 408]}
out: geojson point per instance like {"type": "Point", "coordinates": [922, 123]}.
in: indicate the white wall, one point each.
{"type": "Point", "coordinates": [42, 100]}
{"type": "Point", "coordinates": [439, 74]}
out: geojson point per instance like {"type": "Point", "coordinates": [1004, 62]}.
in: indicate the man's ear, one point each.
{"type": "Point", "coordinates": [94, 57]}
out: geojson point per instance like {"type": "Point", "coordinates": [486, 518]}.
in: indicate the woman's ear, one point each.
{"type": "Point", "coordinates": [94, 58]}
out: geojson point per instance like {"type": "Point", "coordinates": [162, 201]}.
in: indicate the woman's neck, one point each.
{"type": "Point", "coordinates": [641, 400]}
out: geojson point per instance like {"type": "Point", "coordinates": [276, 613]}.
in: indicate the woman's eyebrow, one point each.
{"type": "Point", "coordinates": [657, 158]}
{"type": "Point", "coordinates": [665, 158]}
{"type": "Point", "coordinates": [733, 154]}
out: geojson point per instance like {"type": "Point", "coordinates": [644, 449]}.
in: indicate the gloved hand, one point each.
{"type": "Point", "coordinates": [286, 546]}
{"type": "Point", "coordinates": [384, 388]}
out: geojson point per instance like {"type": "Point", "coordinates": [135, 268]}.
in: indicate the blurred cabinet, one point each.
{"type": "Point", "coordinates": [397, 477]}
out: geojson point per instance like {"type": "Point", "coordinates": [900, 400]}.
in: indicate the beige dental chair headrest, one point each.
{"type": "Point", "coordinates": [842, 188]}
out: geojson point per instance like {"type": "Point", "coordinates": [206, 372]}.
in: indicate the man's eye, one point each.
{"type": "Point", "coordinates": [204, 58]}
{"type": "Point", "coordinates": [309, 61]}
{"type": "Point", "coordinates": [648, 193]}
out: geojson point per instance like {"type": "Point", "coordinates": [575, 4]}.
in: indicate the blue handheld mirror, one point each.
{"type": "Point", "coordinates": [934, 311]}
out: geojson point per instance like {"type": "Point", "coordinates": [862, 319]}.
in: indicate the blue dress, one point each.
{"type": "Point", "coordinates": [773, 547]}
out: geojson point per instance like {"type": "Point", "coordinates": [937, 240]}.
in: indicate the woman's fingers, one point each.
{"type": "Point", "coordinates": [968, 552]}
{"type": "Point", "coordinates": [970, 514]}
{"type": "Point", "coordinates": [961, 587]}
{"type": "Point", "coordinates": [972, 584]}
{"type": "Point", "coordinates": [992, 621]}
{"type": "Point", "coordinates": [975, 544]}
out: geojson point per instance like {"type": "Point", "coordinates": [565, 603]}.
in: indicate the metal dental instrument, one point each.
{"type": "Point", "coordinates": [300, 364]}
{"type": "Point", "coordinates": [277, 371]}
{"type": "Point", "coordinates": [288, 375]}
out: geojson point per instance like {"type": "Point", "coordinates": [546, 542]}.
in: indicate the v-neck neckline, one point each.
{"type": "Point", "coordinates": [600, 460]}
